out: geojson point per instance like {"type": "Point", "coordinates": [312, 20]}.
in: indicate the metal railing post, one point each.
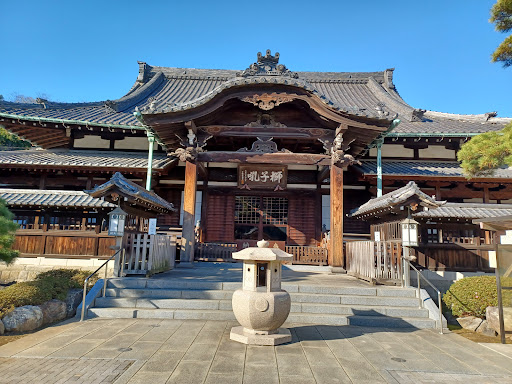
{"type": "Point", "coordinates": [419, 289]}
{"type": "Point", "coordinates": [83, 299]}
{"type": "Point", "coordinates": [82, 316]}
{"type": "Point", "coordinates": [105, 279]}
{"type": "Point", "coordinates": [440, 305]}
{"type": "Point", "coordinates": [440, 313]}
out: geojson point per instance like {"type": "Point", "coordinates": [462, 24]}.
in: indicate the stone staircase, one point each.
{"type": "Point", "coordinates": [390, 307]}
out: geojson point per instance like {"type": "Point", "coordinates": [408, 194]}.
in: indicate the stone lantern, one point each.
{"type": "Point", "coordinates": [261, 306]}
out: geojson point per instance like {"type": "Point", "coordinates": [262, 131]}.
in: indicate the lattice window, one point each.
{"type": "Point", "coordinates": [275, 210]}
{"type": "Point", "coordinates": [247, 210]}
{"type": "Point", "coordinates": [25, 222]}
{"type": "Point", "coordinates": [432, 235]}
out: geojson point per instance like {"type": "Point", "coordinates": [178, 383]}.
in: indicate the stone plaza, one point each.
{"type": "Point", "coordinates": [200, 351]}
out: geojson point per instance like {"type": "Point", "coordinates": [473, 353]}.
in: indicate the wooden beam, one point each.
{"type": "Point", "coordinates": [275, 158]}
{"type": "Point", "coordinates": [336, 234]}
{"type": "Point", "coordinates": [189, 210]}
{"type": "Point", "coordinates": [275, 132]}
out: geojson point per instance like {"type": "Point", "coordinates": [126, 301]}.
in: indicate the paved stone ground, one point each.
{"type": "Point", "coordinates": [173, 351]}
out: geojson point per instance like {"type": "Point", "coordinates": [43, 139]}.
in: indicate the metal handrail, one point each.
{"type": "Point", "coordinates": [418, 275]}
{"type": "Point", "coordinates": [82, 317]}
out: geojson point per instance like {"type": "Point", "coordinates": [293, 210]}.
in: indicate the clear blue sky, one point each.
{"type": "Point", "coordinates": [88, 50]}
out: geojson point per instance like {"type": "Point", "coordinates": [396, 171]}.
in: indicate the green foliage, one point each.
{"type": "Point", "coordinates": [7, 229]}
{"type": "Point", "coordinates": [485, 152]}
{"type": "Point", "coordinates": [501, 16]}
{"type": "Point", "coordinates": [75, 277]}
{"type": "Point", "coordinates": [47, 285]}
{"type": "Point", "coordinates": [12, 141]}
{"type": "Point", "coordinates": [470, 296]}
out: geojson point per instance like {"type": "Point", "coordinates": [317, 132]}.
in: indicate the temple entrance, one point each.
{"type": "Point", "coordinates": [261, 217]}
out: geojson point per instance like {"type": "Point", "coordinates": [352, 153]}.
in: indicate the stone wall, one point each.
{"type": "Point", "coordinates": [26, 268]}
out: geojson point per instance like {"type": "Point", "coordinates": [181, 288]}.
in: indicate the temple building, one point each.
{"type": "Point", "coordinates": [262, 152]}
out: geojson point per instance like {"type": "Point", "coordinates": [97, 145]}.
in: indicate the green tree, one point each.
{"type": "Point", "coordinates": [485, 152]}
{"type": "Point", "coordinates": [12, 141]}
{"type": "Point", "coordinates": [501, 16]}
{"type": "Point", "coordinates": [7, 229]}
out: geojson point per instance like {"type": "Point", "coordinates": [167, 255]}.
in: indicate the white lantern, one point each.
{"type": "Point", "coordinates": [117, 219]}
{"type": "Point", "coordinates": [409, 232]}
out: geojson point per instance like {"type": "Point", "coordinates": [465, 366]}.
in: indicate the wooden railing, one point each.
{"type": "Point", "coordinates": [374, 260]}
{"type": "Point", "coordinates": [147, 254]}
{"type": "Point", "coordinates": [453, 257]}
{"type": "Point", "coordinates": [307, 255]}
{"type": "Point", "coordinates": [223, 251]}
{"type": "Point", "coordinates": [214, 251]}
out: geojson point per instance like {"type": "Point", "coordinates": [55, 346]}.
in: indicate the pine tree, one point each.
{"type": "Point", "coordinates": [501, 16]}
{"type": "Point", "coordinates": [486, 152]}
{"type": "Point", "coordinates": [7, 229]}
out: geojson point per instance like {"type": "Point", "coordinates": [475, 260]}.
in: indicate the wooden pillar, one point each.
{"type": "Point", "coordinates": [486, 195]}
{"type": "Point", "coordinates": [336, 236]}
{"type": "Point", "coordinates": [189, 211]}
{"type": "Point", "coordinates": [42, 181]}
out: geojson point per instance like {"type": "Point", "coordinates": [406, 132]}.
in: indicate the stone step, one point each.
{"type": "Point", "coordinates": [312, 308]}
{"type": "Point", "coordinates": [199, 314]}
{"type": "Point", "coordinates": [146, 313]}
{"type": "Point", "coordinates": [160, 293]}
{"type": "Point", "coordinates": [141, 283]}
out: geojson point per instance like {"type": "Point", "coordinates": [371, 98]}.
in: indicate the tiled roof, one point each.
{"type": "Point", "coordinates": [133, 191]}
{"type": "Point", "coordinates": [466, 211]}
{"type": "Point", "coordinates": [166, 89]}
{"type": "Point", "coordinates": [438, 123]}
{"type": "Point", "coordinates": [396, 198]}
{"type": "Point", "coordinates": [422, 168]}
{"type": "Point", "coordinates": [82, 158]}
{"type": "Point", "coordinates": [180, 88]}
{"type": "Point", "coordinates": [48, 198]}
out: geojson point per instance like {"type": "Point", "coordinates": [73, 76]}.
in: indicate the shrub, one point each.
{"type": "Point", "coordinates": [470, 296]}
{"type": "Point", "coordinates": [47, 285]}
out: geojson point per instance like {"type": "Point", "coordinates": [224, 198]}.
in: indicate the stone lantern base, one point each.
{"type": "Point", "coordinates": [249, 336]}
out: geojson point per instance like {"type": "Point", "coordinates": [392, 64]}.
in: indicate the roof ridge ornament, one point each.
{"type": "Point", "coordinates": [267, 66]}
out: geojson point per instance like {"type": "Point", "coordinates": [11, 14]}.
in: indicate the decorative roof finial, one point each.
{"type": "Point", "coordinates": [267, 66]}
{"type": "Point", "coordinates": [268, 58]}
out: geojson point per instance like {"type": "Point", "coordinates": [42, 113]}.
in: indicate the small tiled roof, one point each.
{"type": "Point", "coordinates": [466, 211]}
{"type": "Point", "coordinates": [438, 123]}
{"type": "Point", "coordinates": [396, 198]}
{"type": "Point", "coordinates": [49, 198]}
{"type": "Point", "coordinates": [423, 168]}
{"type": "Point", "coordinates": [124, 187]}
{"type": "Point", "coordinates": [82, 158]}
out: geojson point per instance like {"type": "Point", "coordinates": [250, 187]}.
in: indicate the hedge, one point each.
{"type": "Point", "coordinates": [47, 285]}
{"type": "Point", "coordinates": [470, 296]}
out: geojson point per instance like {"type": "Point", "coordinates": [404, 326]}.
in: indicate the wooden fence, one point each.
{"type": "Point", "coordinates": [63, 244]}
{"type": "Point", "coordinates": [223, 251]}
{"type": "Point", "coordinates": [307, 255]}
{"type": "Point", "coordinates": [214, 251]}
{"type": "Point", "coordinates": [375, 260]}
{"type": "Point", "coordinates": [147, 254]}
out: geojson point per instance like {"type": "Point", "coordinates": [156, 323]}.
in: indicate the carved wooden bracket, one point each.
{"type": "Point", "coordinates": [267, 101]}
{"type": "Point", "coordinates": [265, 120]}
{"type": "Point", "coordinates": [339, 157]}
{"type": "Point", "coordinates": [264, 146]}
{"type": "Point", "coordinates": [186, 154]}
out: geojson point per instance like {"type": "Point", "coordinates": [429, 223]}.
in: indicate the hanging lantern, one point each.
{"type": "Point", "coordinates": [117, 219]}
{"type": "Point", "coordinates": [409, 232]}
